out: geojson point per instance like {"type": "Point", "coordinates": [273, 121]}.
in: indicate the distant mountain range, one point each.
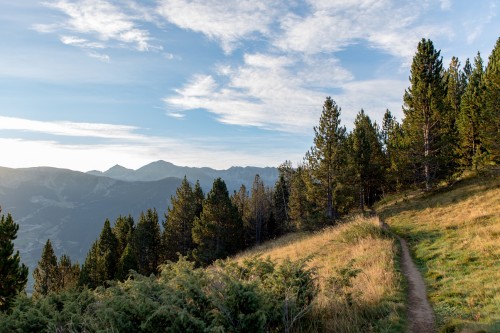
{"type": "Point", "coordinates": [70, 207]}
{"type": "Point", "coordinates": [234, 176]}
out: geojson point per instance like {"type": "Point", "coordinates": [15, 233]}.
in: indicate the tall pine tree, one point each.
{"type": "Point", "coordinates": [469, 118]}
{"type": "Point", "coordinates": [326, 158]}
{"type": "Point", "coordinates": [176, 236]}
{"type": "Point", "coordinates": [46, 274]}
{"type": "Point", "coordinates": [424, 111]}
{"type": "Point", "coordinates": [368, 161]}
{"type": "Point", "coordinates": [147, 243]}
{"type": "Point", "coordinates": [490, 121]}
{"type": "Point", "coordinates": [218, 230]}
{"type": "Point", "coordinates": [13, 274]}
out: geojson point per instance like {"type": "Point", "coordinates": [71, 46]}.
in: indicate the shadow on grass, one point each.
{"type": "Point", "coordinates": [443, 196]}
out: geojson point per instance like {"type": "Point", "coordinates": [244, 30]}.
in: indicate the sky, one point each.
{"type": "Point", "coordinates": [87, 84]}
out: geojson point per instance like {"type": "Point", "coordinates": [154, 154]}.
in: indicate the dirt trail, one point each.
{"type": "Point", "coordinates": [420, 315]}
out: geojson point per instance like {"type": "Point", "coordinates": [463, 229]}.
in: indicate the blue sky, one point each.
{"type": "Point", "coordinates": [92, 83]}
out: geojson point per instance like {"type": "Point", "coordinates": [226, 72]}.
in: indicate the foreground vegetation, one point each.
{"type": "Point", "coordinates": [342, 279]}
{"type": "Point", "coordinates": [454, 236]}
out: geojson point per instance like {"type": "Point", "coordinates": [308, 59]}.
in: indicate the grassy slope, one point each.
{"type": "Point", "coordinates": [454, 236]}
{"type": "Point", "coordinates": [372, 301]}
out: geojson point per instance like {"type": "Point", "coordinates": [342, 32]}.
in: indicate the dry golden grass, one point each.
{"type": "Point", "coordinates": [375, 300]}
{"type": "Point", "coordinates": [455, 238]}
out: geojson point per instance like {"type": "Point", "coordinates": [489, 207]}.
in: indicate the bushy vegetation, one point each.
{"type": "Point", "coordinates": [255, 296]}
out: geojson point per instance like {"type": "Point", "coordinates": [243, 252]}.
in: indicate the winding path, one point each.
{"type": "Point", "coordinates": [420, 315]}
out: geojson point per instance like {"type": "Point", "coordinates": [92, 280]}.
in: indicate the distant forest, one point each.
{"type": "Point", "coordinates": [451, 124]}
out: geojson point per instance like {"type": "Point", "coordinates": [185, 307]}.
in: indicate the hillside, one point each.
{"type": "Point", "coordinates": [454, 237]}
{"type": "Point", "coordinates": [360, 286]}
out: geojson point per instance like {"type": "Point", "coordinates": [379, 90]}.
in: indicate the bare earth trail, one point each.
{"type": "Point", "coordinates": [420, 315]}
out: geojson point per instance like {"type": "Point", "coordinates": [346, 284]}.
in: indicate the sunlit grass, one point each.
{"type": "Point", "coordinates": [454, 236]}
{"type": "Point", "coordinates": [374, 300]}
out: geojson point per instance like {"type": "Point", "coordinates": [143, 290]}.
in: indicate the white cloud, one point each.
{"type": "Point", "coordinates": [265, 92]}
{"type": "Point", "coordinates": [445, 4]}
{"type": "Point", "coordinates": [227, 23]}
{"type": "Point", "coordinates": [66, 128]}
{"type": "Point", "coordinates": [121, 144]}
{"type": "Point", "coordinates": [97, 19]}
{"type": "Point", "coordinates": [100, 56]}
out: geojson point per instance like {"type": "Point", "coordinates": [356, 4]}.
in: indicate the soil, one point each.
{"type": "Point", "coordinates": [419, 313]}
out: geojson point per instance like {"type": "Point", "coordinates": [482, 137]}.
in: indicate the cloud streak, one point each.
{"type": "Point", "coordinates": [107, 144]}
{"type": "Point", "coordinates": [102, 21]}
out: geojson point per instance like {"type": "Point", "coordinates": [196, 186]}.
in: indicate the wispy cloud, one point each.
{"type": "Point", "coordinates": [66, 128]}
{"type": "Point", "coordinates": [99, 24]}
{"type": "Point", "coordinates": [110, 144]}
{"type": "Point", "coordinates": [227, 23]}
{"type": "Point", "coordinates": [282, 87]}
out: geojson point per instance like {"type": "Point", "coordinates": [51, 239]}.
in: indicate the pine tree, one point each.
{"type": "Point", "coordinates": [13, 274]}
{"type": "Point", "coordinates": [46, 274]}
{"type": "Point", "coordinates": [123, 229]}
{"type": "Point", "coordinates": [108, 252]}
{"type": "Point", "coordinates": [424, 110]}
{"type": "Point", "coordinates": [281, 199]}
{"type": "Point", "coordinates": [69, 274]}
{"type": "Point", "coordinates": [368, 161]}
{"type": "Point", "coordinates": [468, 122]}
{"type": "Point", "coordinates": [394, 146]}
{"type": "Point", "coordinates": [199, 197]}
{"type": "Point", "coordinates": [126, 263]}
{"type": "Point", "coordinates": [91, 273]}
{"type": "Point", "coordinates": [260, 209]}
{"type": "Point", "coordinates": [101, 263]}
{"type": "Point", "coordinates": [241, 200]}
{"type": "Point", "coordinates": [147, 243]}
{"type": "Point", "coordinates": [218, 230]}
{"type": "Point", "coordinates": [456, 83]}
{"type": "Point", "coordinates": [301, 211]}
{"type": "Point", "coordinates": [490, 121]}
{"type": "Point", "coordinates": [326, 159]}
{"type": "Point", "coordinates": [176, 236]}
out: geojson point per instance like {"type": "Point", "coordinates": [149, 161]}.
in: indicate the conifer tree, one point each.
{"type": "Point", "coordinates": [199, 197]}
{"type": "Point", "coordinates": [490, 121]}
{"type": "Point", "coordinates": [368, 163]}
{"type": "Point", "coordinates": [91, 273]}
{"type": "Point", "coordinates": [397, 165]}
{"type": "Point", "coordinates": [126, 263]}
{"type": "Point", "coordinates": [218, 230]}
{"type": "Point", "coordinates": [101, 263]}
{"type": "Point", "coordinates": [108, 252]}
{"type": "Point", "coordinates": [123, 230]}
{"type": "Point", "coordinates": [176, 236]}
{"type": "Point", "coordinates": [468, 122]}
{"type": "Point", "coordinates": [147, 243]}
{"type": "Point", "coordinates": [424, 111]}
{"type": "Point", "coordinates": [300, 205]}
{"type": "Point", "coordinates": [13, 274]}
{"type": "Point", "coordinates": [281, 199]}
{"type": "Point", "coordinates": [69, 274]}
{"type": "Point", "coordinates": [46, 274]}
{"type": "Point", "coordinates": [456, 84]}
{"type": "Point", "coordinates": [326, 159]}
{"type": "Point", "coordinates": [260, 209]}
{"type": "Point", "coordinates": [241, 200]}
